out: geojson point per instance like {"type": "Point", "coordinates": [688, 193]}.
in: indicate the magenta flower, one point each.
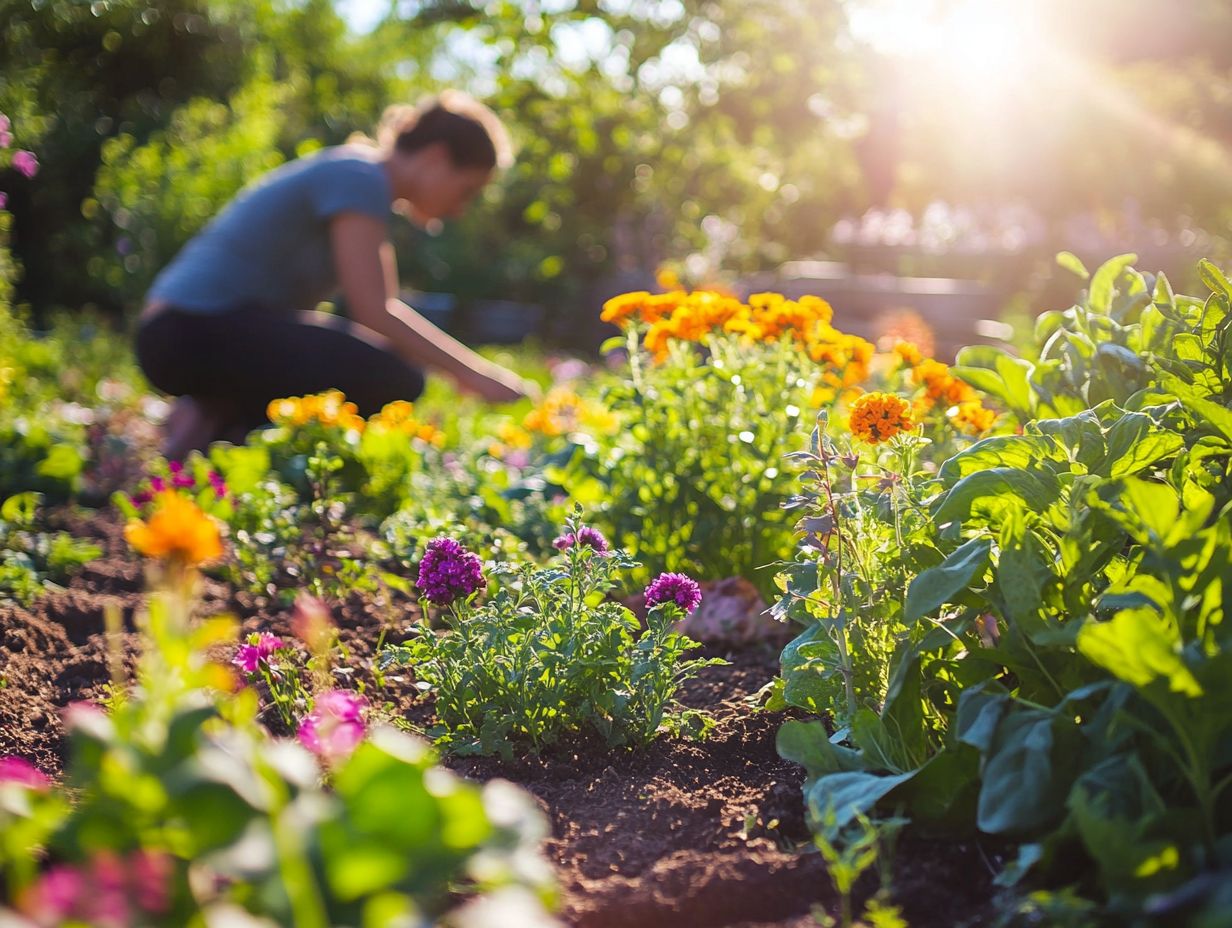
{"type": "Point", "coordinates": [22, 772]}
{"type": "Point", "coordinates": [448, 571]}
{"type": "Point", "coordinates": [4, 199]}
{"type": "Point", "coordinates": [102, 893]}
{"type": "Point", "coordinates": [335, 726]}
{"type": "Point", "coordinates": [585, 536]}
{"type": "Point", "coordinates": [218, 484]}
{"type": "Point", "coordinates": [248, 657]}
{"type": "Point", "coordinates": [674, 588]}
{"type": "Point", "coordinates": [25, 163]}
{"type": "Point", "coordinates": [6, 135]}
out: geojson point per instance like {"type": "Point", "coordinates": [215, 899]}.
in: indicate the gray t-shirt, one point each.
{"type": "Point", "coordinates": [270, 247]}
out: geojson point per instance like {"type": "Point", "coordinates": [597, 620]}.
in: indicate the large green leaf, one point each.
{"type": "Point", "coordinates": [1103, 283]}
{"type": "Point", "coordinates": [943, 583]}
{"type": "Point", "coordinates": [1139, 647]}
{"type": "Point", "coordinates": [1135, 442]}
{"type": "Point", "coordinates": [847, 794]}
{"type": "Point", "coordinates": [809, 745]}
{"type": "Point", "coordinates": [992, 491]}
{"type": "Point", "coordinates": [1027, 772]}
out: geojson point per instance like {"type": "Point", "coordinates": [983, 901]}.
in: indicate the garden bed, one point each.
{"type": "Point", "coordinates": [682, 833]}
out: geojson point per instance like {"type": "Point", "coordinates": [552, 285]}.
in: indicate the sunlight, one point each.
{"type": "Point", "coordinates": [985, 45]}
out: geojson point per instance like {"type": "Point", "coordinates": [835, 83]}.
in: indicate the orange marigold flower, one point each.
{"type": "Point", "coordinates": [942, 386]}
{"type": "Point", "coordinates": [621, 308]}
{"type": "Point", "coordinates": [878, 417]}
{"type": "Point", "coordinates": [177, 531]}
{"type": "Point", "coordinates": [972, 417]}
{"type": "Point", "coordinates": [909, 352]}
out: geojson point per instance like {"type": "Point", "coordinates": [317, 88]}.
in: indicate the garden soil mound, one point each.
{"type": "Point", "coordinates": [682, 834]}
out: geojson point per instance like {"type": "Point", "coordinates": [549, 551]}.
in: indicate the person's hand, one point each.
{"type": "Point", "coordinates": [498, 385]}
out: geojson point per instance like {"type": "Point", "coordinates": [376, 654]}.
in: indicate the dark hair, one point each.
{"type": "Point", "coordinates": [472, 133]}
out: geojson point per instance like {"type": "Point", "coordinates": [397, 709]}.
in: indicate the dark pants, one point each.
{"type": "Point", "coordinates": [239, 360]}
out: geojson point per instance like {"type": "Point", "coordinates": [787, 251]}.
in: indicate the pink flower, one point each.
{"type": "Point", "coordinates": [4, 199]}
{"type": "Point", "coordinates": [25, 163]}
{"type": "Point", "coordinates": [54, 896]}
{"type": "Point", "coordinates": [22, 772]}
{"type": "Point", "coordinates": [248, 657]}
{"type": "Point", "coordinates": [6, 136]}
{"type": "Point", "coordinates": [335, 726]}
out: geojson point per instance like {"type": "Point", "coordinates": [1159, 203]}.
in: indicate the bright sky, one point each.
{"type": "Point", "coordinates": [362, 15]}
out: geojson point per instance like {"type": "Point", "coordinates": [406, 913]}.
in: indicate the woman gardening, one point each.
{"type": "Point", "coordinates": [230, 324]}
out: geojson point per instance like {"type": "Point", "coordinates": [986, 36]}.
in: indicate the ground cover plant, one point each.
{"type": "Point", "coordinates": [1027, 637]}
{"type": "Point", "coordinates": [547, 656]}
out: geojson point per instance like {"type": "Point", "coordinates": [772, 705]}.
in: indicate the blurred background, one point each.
{"type": "Point", "coordinates": [909, 160]}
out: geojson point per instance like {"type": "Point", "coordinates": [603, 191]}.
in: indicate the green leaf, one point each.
{"type": "Point", "coordinates": [808, 744]}
{"type": "Point", "coordinates": [1134, 443]}
{"type": "Point", "coordinates": [1214, 278]}
{"type": "Point", "coordinates": [848, 795]}
{"type": "Point", "coordinates": [1139, 647]}
{"type": "Point", "coordinates": [1071, 263]}
{"type": "Point", "coordinates": [1027, 772]}
{"type": "Point", "coordinates": [1018, 451]}
{"type": "Point", "coordinates": [1104, 282]}
{"type": "Point", "coordinates": [995, 489]}
{"type": "Point", "coordinates": [941, 584]}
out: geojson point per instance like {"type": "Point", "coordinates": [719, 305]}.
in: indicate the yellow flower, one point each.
{"type": "Point", "coordinates": [620, 309]}
{"type": "Point", "coordinates": [509, 434]}
{"type": "Point", "coordinates": [667, 279]}
{"type": "Point", "coordinates": [283, 410]}
{"type": "Point", "coordinates": [177, 531]}
{"type": "Point", "coordinates": [972, 417]}
{"type": "Point", "coordinates": [878, 417]}
{"type": "Point", "coordinates": [909, 352]}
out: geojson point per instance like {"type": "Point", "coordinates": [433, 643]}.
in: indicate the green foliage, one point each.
{"type": "Point", "coordinates": [31, 558]}
{"type": "Point", "coordinates": [548, 656]}
{"type": "Point", "coordinates": [157, 194]}
{"type": "Point", "coordinates": [177, 778]}
{"type": "Point", "coordinates": [1055, 668]}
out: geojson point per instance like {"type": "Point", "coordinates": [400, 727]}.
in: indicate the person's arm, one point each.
{"type": "Point", "coordinates": [368, 275]}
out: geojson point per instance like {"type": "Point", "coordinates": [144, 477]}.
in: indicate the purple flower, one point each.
{"type": "Point", "coordinates": [587, 537]}
{"type": "Point", "coordinates": [4, 199]}
{"type": "Point", "coordinates": [674, 588]}
{"type": "Point", "coordinates": [335, 726]}
{"type": "Point", "coordinates": [157, 484]}
{"type": "Point", "coordinates": [25, 163]}
{"type": "Point", "coordinates": [448, 571]}
{"type": "Point", "coordinates": [21, 771]}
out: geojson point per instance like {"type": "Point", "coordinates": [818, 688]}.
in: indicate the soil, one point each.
{"type": "Point", "coordinates": [686, 834]}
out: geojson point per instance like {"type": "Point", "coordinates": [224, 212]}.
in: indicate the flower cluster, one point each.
{"type": "Point", "coordinates": [178, 478]}
{"type": "Point", "coordinates": [107, 892]}
{"type": "Point", "coordinates": [176, 531]}
{"type": "Point", "coordinates": [399, 416]}
{"type": "Point", "coordinates": [585, 537]}
{"type": "Point", "coordinates": [562, 411]}
{"type": "Point", "coordinates": [942, 390]}
{"type": "Point", "coordinates": [878, 417]}
{"type": "Point", "coordinates": [766, 317]}
{"type": "Point", "coordinates": [257, 650]}
{"type": "Point", "coordinates": [330, 409]}
{"type": "Point", "coordinates": [674, 588]}
{"type": "Point", "coordinates": [448, 571]}
{"type": "Point", "coordinates": [335, 726]}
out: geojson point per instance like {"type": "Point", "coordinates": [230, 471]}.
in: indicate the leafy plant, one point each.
{"type": "Point", "coordinates": [1055, 660]}
{"type": "Point", "coordinates": [548, 655]}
